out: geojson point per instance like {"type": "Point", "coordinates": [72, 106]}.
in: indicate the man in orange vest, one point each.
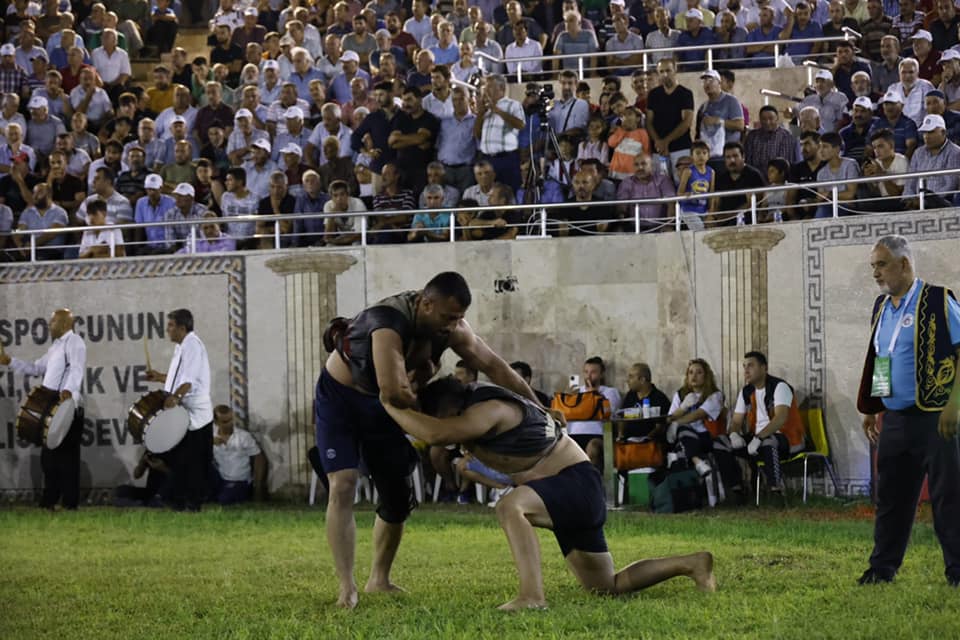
{"type": "Point", "coordinates": [773, 426]}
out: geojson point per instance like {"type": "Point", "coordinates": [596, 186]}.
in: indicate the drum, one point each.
{"type": "Point", "coordinates": [44, 419]}
{"type": "Point", "coordinates": [157, 428]}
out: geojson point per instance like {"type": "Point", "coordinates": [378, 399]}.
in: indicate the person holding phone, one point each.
{"type": "Point", "coordinates": [589, 433]}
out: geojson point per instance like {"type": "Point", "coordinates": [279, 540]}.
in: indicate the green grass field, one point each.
{"type": "Point", "coordinates": [266, 573]}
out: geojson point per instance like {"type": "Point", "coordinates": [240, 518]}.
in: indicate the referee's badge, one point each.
{"type": "Point", "coordinates": [907, 320]}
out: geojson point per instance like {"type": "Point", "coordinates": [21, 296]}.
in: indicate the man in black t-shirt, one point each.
{"type": "Point", "coordinates": [414, 139]}
{"type": "Point", "coordinates": [497, 225]}
{"type": "Point", "coordinates": [227, 53]}
{"type": "Point", "coordinates": [669, 117]}
{"type": "Point", "coordinates": [585, 220]}
{"type": "Point", "coordinates": [805, 171]}
{"type": "Point", "coordinates": [736, 176]}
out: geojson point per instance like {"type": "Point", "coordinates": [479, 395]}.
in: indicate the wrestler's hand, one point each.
{"type": "Point", "coordinates": [870, 427]}
{"type": "Point", "coordinates": [65, 395]}
{"type": "Point", "coordinates": [949, 418]}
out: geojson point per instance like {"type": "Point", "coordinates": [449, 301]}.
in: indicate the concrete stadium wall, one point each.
{"type": "Point", "coordinates": [802, 292]}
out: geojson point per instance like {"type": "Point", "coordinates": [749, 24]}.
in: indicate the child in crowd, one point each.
{"type": "Point", "coordinates": [96, 242]}
{"type": "Point", "coordinates": [836, 168]}
{"type": "Point", "coordinates": [698, 179]}
{"type": "Point", "coordinates": [776, 201]}
{"type": "Point", "coordinates": [627, 141]}
{"type": "Point", "coordinates": [595, 146]}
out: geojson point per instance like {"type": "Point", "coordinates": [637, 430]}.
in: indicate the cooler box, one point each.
{"type": "Point", "coordinates": [638, 487]}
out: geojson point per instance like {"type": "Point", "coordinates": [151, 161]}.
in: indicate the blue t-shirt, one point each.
{"type": "Point", "coordinates": [697, 183]}
{"type": "Point", "coordinates": [903, 376]}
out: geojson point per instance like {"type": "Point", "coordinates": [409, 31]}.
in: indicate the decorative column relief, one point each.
{"type": "Point", "coordinates": [743, 298]}
{"type": "Point", "coordinates": [310, 281]}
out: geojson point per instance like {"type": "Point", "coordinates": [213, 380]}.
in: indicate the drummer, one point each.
{"type": "Point", "coordinates": [188, 382]}
{"type": "Point", "coordinates": [62, 368]}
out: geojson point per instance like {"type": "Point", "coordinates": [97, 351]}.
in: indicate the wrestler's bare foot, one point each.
{"type": "Point", "coordinates": [348, 598]}
{"type": "Point", "coordinates": [519, 604]}
{"type": "Point", "coordinates": [382, 587]}
{"type": "Point", "coordinates": [702, 571]}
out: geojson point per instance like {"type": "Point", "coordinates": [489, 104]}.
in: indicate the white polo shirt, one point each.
{"type": "Point", "coordinates": [111, 66]}
{"type": "Point", "coordinates": [190, 364]}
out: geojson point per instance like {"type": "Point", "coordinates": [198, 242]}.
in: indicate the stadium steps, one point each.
{"type": "Point", "coordinates": [193, 39]}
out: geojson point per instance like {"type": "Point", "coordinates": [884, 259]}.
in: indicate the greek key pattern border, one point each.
{"type": "Point", "coordinates": [234, 267]}
{"type": "Point", "coordinates": [934, 225]}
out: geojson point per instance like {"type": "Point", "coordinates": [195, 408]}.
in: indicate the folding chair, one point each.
{"type": "Point", "coordinates": [817, 434]}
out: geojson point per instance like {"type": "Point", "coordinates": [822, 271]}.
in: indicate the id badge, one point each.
{"type": "Point", "coordinates": [880, 387]}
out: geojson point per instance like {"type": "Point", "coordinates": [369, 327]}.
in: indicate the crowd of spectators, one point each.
{"type": "Point", "coordinates": [301, 108]}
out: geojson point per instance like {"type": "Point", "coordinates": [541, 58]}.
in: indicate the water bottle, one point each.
{"type": "Point", "coordinates": [741, 219]}
{"type": "Point", "coordinates": [664, 166]}
{"type": "Point", "coordinates": [646, 407]}
{"type": "Point", "coordinates": [778, 216]}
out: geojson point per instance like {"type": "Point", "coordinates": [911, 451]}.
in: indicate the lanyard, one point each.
{"type": "Point", "coordinates": [896, 330]}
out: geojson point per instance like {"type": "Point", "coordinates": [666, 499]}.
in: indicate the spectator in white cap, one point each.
{"type": "Point", "coordinates": [913, 88]}
{"type": "Point", "coordinates": [950, 77]}
{"type": "Point", "coordinates": [187, 209]}
{"type": "Point", "coordinates": [250, 31]}
{"type": "Point", "coordinates": [294, 133]}
{"type": "Point", "coordinates": [936, 104]}
{"type": "Point", "coordinates": [339, 90]}
{"type": "Point", "coordinates": [178, 132]}
{"type": "Point", "coordinates": [927, 57]}
{"type": "Point", "coordinates": [720, 119]}
{"type": "Point", "coordinates": [856, 143]}
{"type": "Point", "coordinates": [13, 79]}
{"type": "Point", "coordinates": [240, 142]}
{"type": "Point", "coordinates": [259, 168]}
{"type": "Point", "coordinates": [891, 117]}
{"type": "Point", "coordinates": [707, 18]}
{"type": "Point", "coordinates": [694, 34]}
{"type": "Point", "coordinates": [831, 103]}
{"type": "Point", "coordinates": [291, 163]}
{"type": "Point", "coordinates": [936, 154]}
{"type": "Point", "coordinates": [278, 201]}
{"type": "Point", "coordinates": [39, 65]}
{"type": "Point", "coordinates": [44, 128]}
{"type": "Point", "coordinates": [269, 82]}
{"type": "Point", "coordinates": [154, 207]}
{"type": "Point", "coordinates": [862, 87]}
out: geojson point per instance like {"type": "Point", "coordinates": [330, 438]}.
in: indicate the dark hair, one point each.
{"type": "Point", "coordinates": [199, 60]}
{"type": "Point", "coordinates": [756, 355]}
{"type": "Point", "coordinates": [615, 80]}
{"type": "Point", "coordinates": [204, 162]}
{"type": "Point", "coordinates": [583, 86]}
{"type": "Point", "coordinates": [386, 85]}
{"type": "Point", "coordinates": [832, 139]}
{"type": "Point", "coordinates": [733, 145]}
{"type": "Point", "coordinates": [522, 368]}
{"type": "Point", "coordinates": [699, 144]}
{"type": "Point", "coordinates": [115, 145]}
{"type": "Point", "coordinates": [462, 364]}
{"type": "Point", "coordinates": [813, 135]}
{"type": "Point", "coordinates": [729, 76]}
{"type": "Point", "coordinates": [106, 173]}
{"type": "Point", "coordinates": [440, 392]}
{"type": "Point", "coordinates": [568, 74]}
{"type": "Point", "coordinates": [414, 91]}
{"type": "Point", "coordinates": [338, 185]}
{"type": "Point", "coordinates": [238, 173]}
{"type": "Point", "coordinates": [883, 134]}
{"type": "Point", "coordinates": [442, 70]}
{"type": "Point", "coordinates": [598, 361]}
{"type": "Point", "coordinates": [769, 107]}
{"type": "Point", "coordinates": [182, 318]}
{"type": "Point", "coordinates": [97, 206]}
{"type": "Point", "coordinates": [781, 165]}
{"type": "Point", "coordinates": [449, 284]}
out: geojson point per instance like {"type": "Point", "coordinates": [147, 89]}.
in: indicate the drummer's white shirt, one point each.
{"type": "Point", "coordinates": [190, 364]}
{"type": "Point", "coordinates": [233, 457]}
{"type": "Point", "coordinates": [62, 366]}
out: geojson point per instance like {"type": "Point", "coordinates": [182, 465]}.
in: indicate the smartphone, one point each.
{"type": "Point", "coordinates": [575, 381]}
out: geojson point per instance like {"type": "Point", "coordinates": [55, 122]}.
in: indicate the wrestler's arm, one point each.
{"type": "Point", "coordinates": [388, 362]}
{"type": "Point", "coordinates": [466, 427]}
{"type": "Point", "coordinates": [477, 355]}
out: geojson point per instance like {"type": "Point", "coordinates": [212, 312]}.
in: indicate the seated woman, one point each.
{"type": "Point", "coordinates": [557, 488]}
{"type": "Point", "coordinates": [697, 401]}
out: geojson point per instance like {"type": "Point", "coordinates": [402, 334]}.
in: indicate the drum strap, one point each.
{"type": "Point", "coordinates": [176, 372]}
{"type": "Point", "coordinates": [66, 366]}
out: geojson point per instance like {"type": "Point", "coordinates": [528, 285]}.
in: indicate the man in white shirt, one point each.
{"type": "Point", "coordinates": [188, 382]}
{"type": "Point", "coordinates": [498, 125]}
{"type": "Point", "coordinates": [239, 463]}
{"type": "Point", "coordinates": [62, 368]}
{"type": "Point", "coordinates": [112, 63]}
{"type": "Point", "coordinates": [97, 242]}
{"type": "Point", "coordinates": [589, 433]}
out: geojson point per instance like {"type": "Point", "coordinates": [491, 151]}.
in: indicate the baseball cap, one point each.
{"type": "Point", "coordinates": [38, 102]}
{"type": "Point", "coordinates": [694, 13]}
{"type": "Point", "coordinates": [350, 56]}
{"type": "Point", "coordinates": [242, 113]}
{"type": "Point", "coordinates": [931, 122]}
{"type": "Point", "coordinates": [8, 50]}
{"type": "Point", "coordinates": [184, 189]}
{"type": "Point", "coordinates": [950, 54]}
{"type": "Point", "coordinates": [154, 181]}
{"type": "Point", "coordinates": [251, 11]}
{"type": "Point", "coordinates": [271, 64]}
{"type": "Point", "coordinates": [892, 96]}
{"type": "Point", "coordinates": [382, 33]}
{"type": "Point", "coordinates": [293, 112]}
{"type": "Point", "coordinates": [823, 74]}
{"type": "Point", "coordinates": [936, 93]}
{"type": "Point", "coordinates": [263, 143]}
{"type": "Point", "coordinates": [619, 2]}
{"type": "Point", "coordinates": [922, 34]}
{"type": "Point", "coordinates": [863, 101]}
{"type": "Point", "coordinates": [179, 119]}
{"type": "Point", "coordinates": [39, 54]}
{"type": "Point", "coordinates": [292, 147]}
{"type": "Point", "coordinates": [286, 41]}
{"type": "Point", "coordinates": [710, 74]}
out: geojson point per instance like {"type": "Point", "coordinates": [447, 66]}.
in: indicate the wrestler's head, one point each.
{"type": "Point", "coordinates": [443, 303]}
{"type": "Point", "coordinates": [443, 397]}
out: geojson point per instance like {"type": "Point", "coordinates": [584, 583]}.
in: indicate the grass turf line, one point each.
{"type": "Point", "coordinates": [267, 573]}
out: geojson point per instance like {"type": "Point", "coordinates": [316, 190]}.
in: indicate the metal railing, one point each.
{"type": "Point", "coordinates": [538, 224]}
{"type": "Point", "coordinates": [778, 47]}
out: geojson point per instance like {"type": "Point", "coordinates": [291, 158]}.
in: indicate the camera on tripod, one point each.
{"type": "Point", "coordinates": [544, 103]}
{"type": "Point", "coordinates": [505, 285]}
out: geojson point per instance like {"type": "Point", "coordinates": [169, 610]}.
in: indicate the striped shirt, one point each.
{"type": "Point", "coordinates": [497, 136]}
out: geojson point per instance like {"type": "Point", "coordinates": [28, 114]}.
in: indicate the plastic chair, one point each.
{"type": "Point", "coordinates": [816, 431]}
